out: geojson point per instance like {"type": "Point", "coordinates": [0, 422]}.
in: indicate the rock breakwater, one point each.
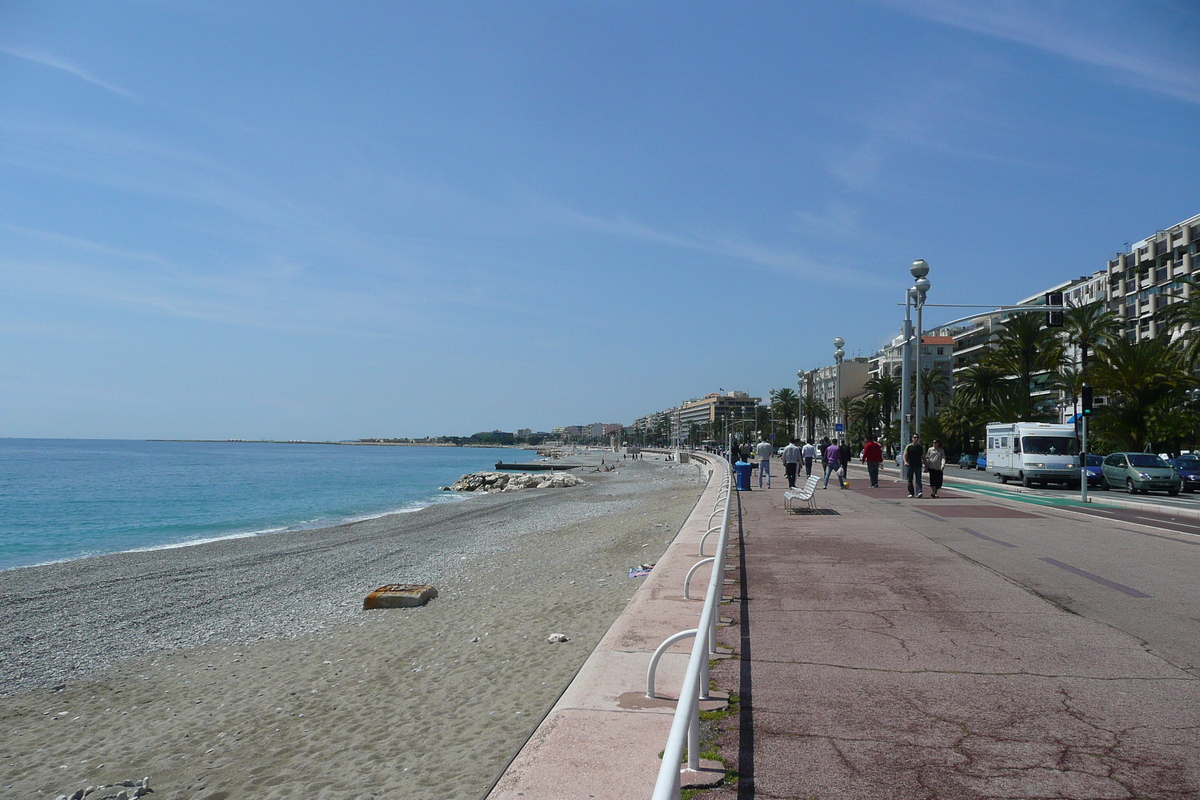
{"type": "Point", "coordinates": [510, 482]}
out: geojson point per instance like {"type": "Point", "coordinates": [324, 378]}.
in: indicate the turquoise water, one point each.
{"type": "Point", "coordinates": [65, 499]}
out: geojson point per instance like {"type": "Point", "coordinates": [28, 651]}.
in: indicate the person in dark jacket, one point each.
{"type": "Point", "coordinates": [914, 459]}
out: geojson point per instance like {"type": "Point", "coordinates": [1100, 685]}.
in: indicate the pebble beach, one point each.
{"type": "Point", "coordinates": [247, 667]}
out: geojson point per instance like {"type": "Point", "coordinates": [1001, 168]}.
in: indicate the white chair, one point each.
{"type": "Point", "coordinates": [803, 494]}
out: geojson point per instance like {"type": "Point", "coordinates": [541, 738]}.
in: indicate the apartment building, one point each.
{"type": "Point", "coordinates": [823, 384]}
{"type": "Point", "coordinates": [1150, 274]}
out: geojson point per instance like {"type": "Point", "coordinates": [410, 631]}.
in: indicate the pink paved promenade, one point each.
{"type": "Point", "coordinates": [875, 662]}
{"type": "Point", "coordinates": [878, 663]}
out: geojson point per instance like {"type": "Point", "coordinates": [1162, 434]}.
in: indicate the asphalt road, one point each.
{"type": "Point", "coordinates": [1132, 569]}
{"type": "Point", "coordinates": [1185, 500]}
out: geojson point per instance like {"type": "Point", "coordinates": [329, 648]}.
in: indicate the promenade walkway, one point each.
{"type": "Point", "coordinates": [877, 662]}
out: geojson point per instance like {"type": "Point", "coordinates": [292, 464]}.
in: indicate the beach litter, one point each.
{"type": "Point", "coordinates": [557, 638]}
{"type": "Point", "coordinates": [640, 571]}
{"type": "Point", "coordinates": [400, 595]}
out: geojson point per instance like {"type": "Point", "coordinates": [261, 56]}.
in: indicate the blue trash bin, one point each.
{"type": "Point", "coordinates": [743, 476]}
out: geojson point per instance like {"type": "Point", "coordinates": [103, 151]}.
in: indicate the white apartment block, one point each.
{"type": "Point", "coordinates": [823, 383]}
{"type": "Point", "coordinates": [1150, 275]}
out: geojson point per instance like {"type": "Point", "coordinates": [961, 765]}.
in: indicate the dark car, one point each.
{"type": "Point", "coordinates": [967, 461]}
{"type": "Point", "coordinates": [1094, 473]}
{"type": "Point", "coordinates": [1188, 467]}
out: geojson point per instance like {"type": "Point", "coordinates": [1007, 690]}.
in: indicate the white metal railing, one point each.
{"type": "Point", "coordinates": [685, 729]}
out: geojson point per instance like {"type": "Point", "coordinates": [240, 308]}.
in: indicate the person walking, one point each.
{"type": "Point", "coordinates": [764, 450]}
{"type": "Point", "coordinates": [935, 463]}
{"type": "Point", "coordinates": [832, 464]}
{"type": "Point", "coordinates": [791, 462]}
{"type": "Point", "coordinates": [809, 452]}
{"type": "Point", "coordinates": [872, 456]}
{"type": "Point", "coordinates": [914, 456]}
{"type": "Point", "coordinates": [844, 453]}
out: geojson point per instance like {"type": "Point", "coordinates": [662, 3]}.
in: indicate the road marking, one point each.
{"type": "Point", "coordinates": [1120, 587]}
{"type": "Point", "coordinates": [987, 538]}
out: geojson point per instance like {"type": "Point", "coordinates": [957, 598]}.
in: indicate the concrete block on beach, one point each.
{"type": "Point", "coordinates": [399, 595]}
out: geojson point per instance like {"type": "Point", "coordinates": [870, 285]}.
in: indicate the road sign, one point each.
{"type": "Point", "coordinates": [839, 427]}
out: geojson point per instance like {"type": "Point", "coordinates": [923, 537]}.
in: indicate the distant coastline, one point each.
{"type": "Point", "coordinates": [365, 443]}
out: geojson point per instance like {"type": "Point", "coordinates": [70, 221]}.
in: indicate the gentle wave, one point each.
{"type": "Point", "coordinates": [66, 500]}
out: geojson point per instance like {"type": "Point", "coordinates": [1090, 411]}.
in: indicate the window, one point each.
{"type": "Point", "coordinates": [1146, 460]}
{"type": "Point", "coordinates": [1051, 445]}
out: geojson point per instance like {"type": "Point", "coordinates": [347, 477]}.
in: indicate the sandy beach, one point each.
{"type": "Point", "coordinates": [246, 667]}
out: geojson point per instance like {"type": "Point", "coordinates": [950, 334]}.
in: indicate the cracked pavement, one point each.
{"type": "Point", "coordinates": [880, 659]}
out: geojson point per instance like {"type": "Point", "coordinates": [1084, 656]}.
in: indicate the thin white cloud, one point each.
{"type": "Point", "coordinates": [781, 262]}
{"type": "Point", "coordinates": [50, 60]}
{"type": "Point", "coordinates": [1144, 64]}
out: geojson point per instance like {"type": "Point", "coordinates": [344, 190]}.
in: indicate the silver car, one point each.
{"type": "Point", "coordinates": [1139, 472]}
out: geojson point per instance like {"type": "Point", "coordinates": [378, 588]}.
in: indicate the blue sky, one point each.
{"type": "Point", "coordinates": [340, 220]}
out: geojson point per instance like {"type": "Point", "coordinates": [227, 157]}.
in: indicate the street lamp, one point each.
{"type": "Point", "coordinates": [799, 401]}
{"type": "Point", "coordinates": [914, 296]}
{"type": "Point", "coordinates": [919, 270]}
{"type": "Point", "coordinates": [838, 355]}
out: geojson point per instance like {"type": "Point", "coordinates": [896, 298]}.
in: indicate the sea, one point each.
{"type": "Point", "coordinates": [63, 499]}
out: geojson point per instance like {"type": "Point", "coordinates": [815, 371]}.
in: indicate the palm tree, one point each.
{"type": "Point", "coordinates": [1089, 325]}
{"type": "Point", "coordinates": [982, 384]}
{"type": "Point", "coordinates": [784, 404]}
{"type": "Point", "coordinates": [864, 411]}
{"type": "Point", "coordinates": [1069, 381]}
{"type": "Point", "coordinates": [933, 384]}
{"type": "Point", "coordinates": [1141, 380]}
{"type": "Point", "coordinates": [884, 391]}
{"type": "Point", "coordinates": [963, 420]}
{"type": "Point", "coordinates": [847, 406]}
{"type": "Point", "coordinates": [1025, 348]}
{"type": "Point", "coordinates": [813, 409]}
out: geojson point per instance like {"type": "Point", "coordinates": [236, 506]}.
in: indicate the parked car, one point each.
{"type": "Point", "coordinates": [981, 462]}
{"type": "Point", "coordinates": [967, 461]}
{"type": "Point", "coordinates": [1188, 467]}
{"type": "Point", "coordinates": [1140, 472]}
{"type": "Point", "coordinates": [1095, 475]}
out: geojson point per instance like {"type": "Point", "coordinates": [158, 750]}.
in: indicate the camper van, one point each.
{"type": "Point", "coordinates": [1033, 452]}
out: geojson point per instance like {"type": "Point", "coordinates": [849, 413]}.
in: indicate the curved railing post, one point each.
{"type": "Point", "coordinates": [658, 654]}
{"type": "Point", "coordinates": [687, 582]}
{"type": "Point", "coordinates": [704, 538]}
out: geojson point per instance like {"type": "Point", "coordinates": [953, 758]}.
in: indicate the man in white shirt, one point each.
{"type": "Point", "coordinates": [791, 462]}
{"type": "Point", "coordinates": [808, 452]}
{"type": "Point", "coordinates": [764, 450]}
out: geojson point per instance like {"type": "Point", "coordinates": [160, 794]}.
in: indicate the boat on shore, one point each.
{"type": "Point", "coordinates": [540, 466]}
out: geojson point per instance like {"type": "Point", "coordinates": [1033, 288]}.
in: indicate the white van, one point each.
{"type": "Point", "coordinates": [1033, 452]}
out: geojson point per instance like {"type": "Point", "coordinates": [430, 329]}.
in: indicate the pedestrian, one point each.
{"type": "Point", "coordinates": [791, 462]}
{"type": "Point", "coordinates": [844, 453]}
{"type": "Point", "coordinates": [809, 452]}
{"type": "Point", "coordinates": [822, 450]}
{"type": "Point", "coordinates": [832, 465]}
{"type": "Point", "coordinates": [913, 457]}
{"type": "Point", "coordinates": [872, 456]}
{"type": "Point", "coordinates": [763, 450]}
{"type": "Point", "coordinates": [935, 463]}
